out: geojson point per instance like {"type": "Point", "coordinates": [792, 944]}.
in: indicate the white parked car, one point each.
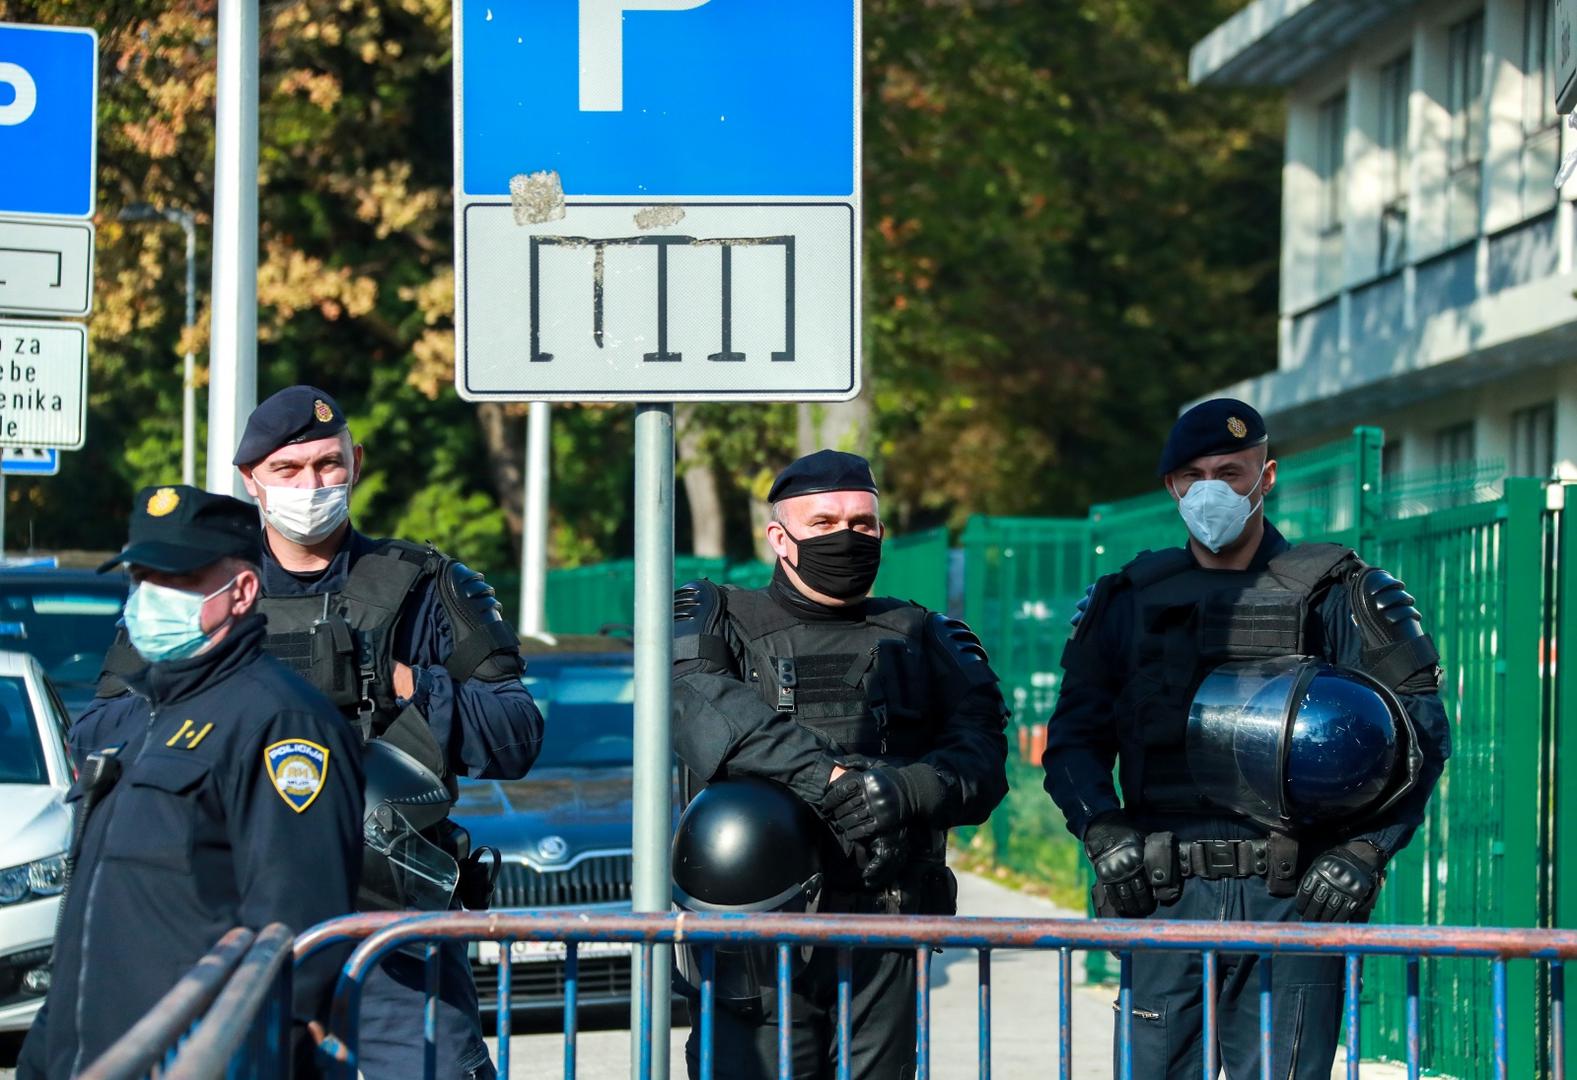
{"type": "Point", "coordinates": [35, 831]}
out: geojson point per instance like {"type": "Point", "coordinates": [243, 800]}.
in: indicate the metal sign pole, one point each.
{"type": "Point", "coordinates": [534, 526]}
{"type": "Point", "coordinates": [654, 646]}
{"type": "Point", "coordinates": [232, 381]}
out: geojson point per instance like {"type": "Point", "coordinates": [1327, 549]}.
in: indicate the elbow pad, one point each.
{"type": "Point", "coordinates": [1396, 651]}
{"type": "Point", "coordinates": [700, 627]}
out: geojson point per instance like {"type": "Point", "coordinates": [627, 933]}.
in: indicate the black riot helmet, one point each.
{"type": "Point", "coordinates": [745, 846]}
{"type": "Point", "coordinates": [401, 868]}
{"type": "Point", "coordinates": [1297, 744]}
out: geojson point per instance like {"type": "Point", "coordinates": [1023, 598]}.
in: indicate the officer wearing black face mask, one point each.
{"type": "Point", "coordinates": [884, 717]}
{"type": "Point", "coordinates": [1273, 714]}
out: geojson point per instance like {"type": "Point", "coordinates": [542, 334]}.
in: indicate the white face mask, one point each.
{"type": "Point", "coordinates": [1214, 513]}
{"type": "Point", "coordinates": [306, 515]}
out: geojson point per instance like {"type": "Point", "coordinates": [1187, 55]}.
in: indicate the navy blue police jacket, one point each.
{"type": "Point", "coordinates": [239, 804]}
{"type": "Point", "coordinates": [1085, 739]}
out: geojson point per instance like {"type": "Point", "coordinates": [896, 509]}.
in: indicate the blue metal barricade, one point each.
{"type": "Point", "coordinates": [227, 1017]}
{"type": "Point", "coordinates": [382, 934]}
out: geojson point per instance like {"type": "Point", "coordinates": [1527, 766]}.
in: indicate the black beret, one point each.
{"type": "Point", "coordinates": [1218, 426]}
{"type": "Point", "coordinates": [825, 470]}
{"type": "Point", "coordinates": [179, 529]}
{"type": "Point", "coordinates": [295, 414]}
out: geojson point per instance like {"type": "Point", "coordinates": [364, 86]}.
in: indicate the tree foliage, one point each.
{"type": "Point", "coordinates": [1063, 241]}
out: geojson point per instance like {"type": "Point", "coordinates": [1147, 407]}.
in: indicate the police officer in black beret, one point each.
{"type": "Point", "coordinates": [222, 791]}
{"type": "Point", "coordinates": [413, 648]}
{"type": "Point", "coordinates": [1272, 710]}
{"type": "Point", "coordinates": [884, 717]}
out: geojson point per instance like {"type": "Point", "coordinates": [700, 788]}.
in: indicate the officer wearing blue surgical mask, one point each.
{"type": "Point", "coordinates": [220, 791]}
{"type": "Point", "coordinates": [411, 646]}
{"type": "Point", "coordinates": [1271, 710]}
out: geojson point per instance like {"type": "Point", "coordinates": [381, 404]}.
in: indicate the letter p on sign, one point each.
{"type": "Point", "coordinates": [602, 48]}
{"type": "Point", "coordinates": [25, 94]}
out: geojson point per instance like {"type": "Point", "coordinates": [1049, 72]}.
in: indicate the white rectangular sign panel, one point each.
{"type": "Point", "coordinates": [46, 267]}
{"type": "Point", "coordinates": [43, 383]}
{"type": "Point", "coordinates": [657, 200]}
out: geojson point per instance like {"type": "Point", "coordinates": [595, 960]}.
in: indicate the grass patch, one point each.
{"type": "Point", "coordinates": [1026, 845]}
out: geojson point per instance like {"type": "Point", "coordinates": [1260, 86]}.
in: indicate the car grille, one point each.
{"type": "Point", "coordinates": [600, 978]}
{"type": "Point", "coordinates": [600, 879]}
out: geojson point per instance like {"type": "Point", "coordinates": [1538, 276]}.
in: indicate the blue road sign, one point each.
{"type": "Point", "coordinates": [48, 120]}
{"type": "Point", "coordinates": [643, 98]}
{"type": "Point", "coordinates": [29, 461]}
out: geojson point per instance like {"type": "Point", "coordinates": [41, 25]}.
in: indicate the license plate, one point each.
{"type": "Point", "coordinates": [542, 952]}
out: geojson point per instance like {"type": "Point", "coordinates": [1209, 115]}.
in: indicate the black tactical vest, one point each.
{"type": "Point", "coordinates": [343, 643]}
{"type": "Point", "coordinates": [1188, 620]}
{"type": "Point", "coordinates": [863, 684]}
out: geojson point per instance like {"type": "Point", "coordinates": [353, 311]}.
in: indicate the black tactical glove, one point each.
{"type": "Point", "coordinates": [884, 858]}
{"type": "Point", "coordinates": [1341, 884]}
{"type": "Point", "coordinates": [866, 802]}
{"type": "Point", "coordinates": [1116, 851]}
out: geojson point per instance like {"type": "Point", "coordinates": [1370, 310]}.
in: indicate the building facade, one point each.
{"type": "Point", "coordinates": [1427, 280]}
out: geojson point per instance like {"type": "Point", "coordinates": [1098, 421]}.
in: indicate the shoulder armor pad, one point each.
{"type": "Point", "coordinates": [1083, 605]}
{"type": "Point", "coordinates": [1395, 648]}
{"type": "Point", "coordinates": [485, 645]}
{"type": "Point", "coordinates": [700, 616]}
{"type": "Point", "coordinates": [957, 643]}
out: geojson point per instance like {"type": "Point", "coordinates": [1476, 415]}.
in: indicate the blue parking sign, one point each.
{"type": "Point", "coordinates": [645, 98]}
{"type": "Point", "coordinates": [48, 120]}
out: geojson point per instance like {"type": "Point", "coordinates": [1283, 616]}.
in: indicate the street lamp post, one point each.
{"type": "Point", "coordinates": [188, 223]}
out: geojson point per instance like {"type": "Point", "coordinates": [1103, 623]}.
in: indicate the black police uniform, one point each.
{"type": "Point", "coordinates": [238, 803]}
{"type": "Point", "coordinates": [1145, 639]}
{"type": "Point", "coordinates": [770, 684]}
{"type": "Point", "coordinates": [343, 628]}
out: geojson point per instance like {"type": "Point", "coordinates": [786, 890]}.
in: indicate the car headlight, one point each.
{"type": "Point", "coordinates": [34, 880]}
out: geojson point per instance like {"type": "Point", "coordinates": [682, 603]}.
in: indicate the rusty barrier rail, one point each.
{"type": "Point", "coordinates": [228, 1016]}
{"type": "Point", "coordinates": [382, 934]}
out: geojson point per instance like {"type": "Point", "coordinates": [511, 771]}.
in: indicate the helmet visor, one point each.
{"type": "Point", "coordinates": [402, 868]}
{"type": "Point", "coordinates": [1237, 734]}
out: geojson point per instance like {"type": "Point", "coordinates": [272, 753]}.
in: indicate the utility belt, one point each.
{"type": "Point", "coordinates": [1169, 862]}
{"type": "Point", "coordinates": [921, 888]}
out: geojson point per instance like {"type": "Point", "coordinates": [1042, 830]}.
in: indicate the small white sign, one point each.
{"type": "Point", "coordinates": [43, 384]}
{"type": "Point", "coordinates": [46, 268]}
{"type": "Point", "coordinates": [542, 952]}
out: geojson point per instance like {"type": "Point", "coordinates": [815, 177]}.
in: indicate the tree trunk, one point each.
{"type": "Point", "coordinates": [501, 438]}
{"type": "Point", "coordinates": [700, 487]}
{"type": "Point", "coordinates": [840, 425]}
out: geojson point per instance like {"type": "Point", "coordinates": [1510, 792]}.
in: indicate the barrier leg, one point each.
{"type": "Point", "coordinates": [506, 976]}
{"type": "Point", "coordinates": [922, 1005]}
{"type": "Point", "coordinates": [1065, 1014]}
{"type": "Point", "coordinates": [1125, 1017]}
{"type": "Point", "coordinates": [1212, 1049]}
{"type": "Point", "coordinates": [1354, 1036]}
{"type": "Point", "coordinates": [708, 1007]}
{"type": "Point", "coordinates": [785, 1016]}
{"type": "Point", "coordinates": [1558, 1019]}
{"type": "Point", "coordinates": [430, 1017]}
{"type": "Point", "coordinates": [1266, 1004]}
{"type": "Point", "coordinates": [845, 1009]}
{"type": "Point", "coordinates": [984, 1019]}
{"type": "Point", "coordinates": [1414, 1024]}
{"type": "Point", "coordinates": [571, 1006]}
{"type": "Point", "coordinates": [1499, 984]}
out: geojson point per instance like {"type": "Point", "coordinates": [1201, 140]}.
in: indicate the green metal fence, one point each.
{"type": "Point", "coordinates": [587, 599]}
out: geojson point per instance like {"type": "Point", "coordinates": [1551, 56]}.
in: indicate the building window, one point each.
{"type": "Point", "coordinates": [1541, 133]}
{"type": "Point", "coordinates": [1455, 446]}
{"type": "Point", "coordinates": [1533, 441]}
{"type": "Point", "coordinates": [1396, 88]}
{"type": "Point", "coordinates": [1466, 101]}
{"type": "Point", "coordinates": [1331, 164]}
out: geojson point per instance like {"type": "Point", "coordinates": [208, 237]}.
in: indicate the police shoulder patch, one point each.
{"type": "Point", "coordinates": [297, 768]}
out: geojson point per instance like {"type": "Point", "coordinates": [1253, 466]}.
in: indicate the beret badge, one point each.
{"type": "Point", "coordinates": [1237, 427]}
{"type": "Point", "coordinates": [162, 502]}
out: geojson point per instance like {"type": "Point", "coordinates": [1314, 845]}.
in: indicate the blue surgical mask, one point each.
{"type": "Point", "coordinates": [1214, 513]}
{"type": "Point", "coordinates": [165, 623]}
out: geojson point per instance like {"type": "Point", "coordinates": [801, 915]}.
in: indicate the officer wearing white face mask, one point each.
{"type": "Point", "coordinates": [222, 791]}
{"type": "Point", "coordinates": [1272, 711]}
{"type": "Point", "coordinates": [411, 646]}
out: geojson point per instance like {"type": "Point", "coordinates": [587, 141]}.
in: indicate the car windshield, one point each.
{"type": "Point", "coordinates": [589, 711]}
{"type": "Point", "coordinates": [66, 627]}
{"type": "Point", "coordinates": [21, 753]}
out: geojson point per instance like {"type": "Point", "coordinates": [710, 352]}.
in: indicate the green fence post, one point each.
{"type": "Point", "coordinates": [1522, 563]}
{"type": "Point", "coordinates": [1368, 498]}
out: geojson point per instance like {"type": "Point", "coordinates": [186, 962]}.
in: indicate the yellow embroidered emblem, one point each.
{"type": "Point", "coordinates": [297, 768]}
{"type": "Point", "coordinates": [189, 735]}
{"type": "Point", "coordinates": [1237, 427]}
{"type": "Point", "coordinates": [163, 501]}
{"type": "Point", "coordinates": [321, 410]}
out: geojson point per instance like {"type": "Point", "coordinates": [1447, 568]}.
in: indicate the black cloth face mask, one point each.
{"type": "Point", "coordinates": [841, 564]}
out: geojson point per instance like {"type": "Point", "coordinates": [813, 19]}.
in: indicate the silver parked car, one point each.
{"type": "Point", "coordinates": [35, 831]}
